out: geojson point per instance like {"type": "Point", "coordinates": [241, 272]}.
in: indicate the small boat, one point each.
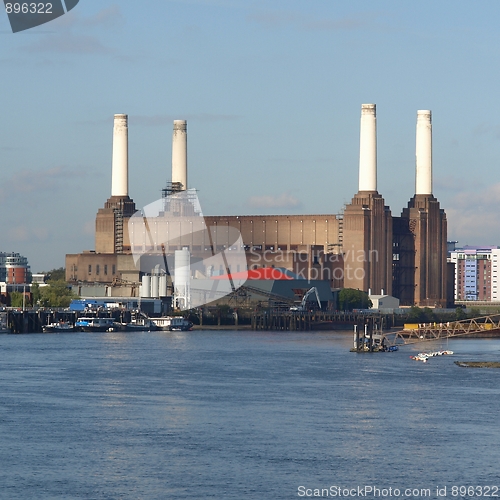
{"type": "Point", "coordinates": [424, 356]}
{"type": "Point", "coordinates": [59, 327]}
{"type": "Point", "coordinates": [162, 323]}
{"type": "Point", "coordinates": [141, 325]}
{"type": "Point", "coordinates": [172, 323]}
{"type": "Point", "coordinates": [180, 325]}
{"type": "Point", "coordinates": [97, 325]}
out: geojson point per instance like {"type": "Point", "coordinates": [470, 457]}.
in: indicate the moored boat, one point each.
{"type": "Point", "coordinates": [180, 325]}
{"type": "Point", "coordinates": [141, 325]}
{"type": "Point", "coordinates": [59, 327]}
{"type": "Point", "coordinates": [97, 325]}
{"type": "Point", "coordinates": [162, 323]}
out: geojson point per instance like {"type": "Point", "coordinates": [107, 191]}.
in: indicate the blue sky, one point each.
{"type": "Point", "coordinates": [272, 93]}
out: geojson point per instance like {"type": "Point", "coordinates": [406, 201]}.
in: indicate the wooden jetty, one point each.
{"type": "Point", "coordinates": [32, 320]}
{"type": "Point", "coordinates": [270, 319]}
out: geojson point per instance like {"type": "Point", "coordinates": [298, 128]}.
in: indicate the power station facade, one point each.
{"type": "Point", "coordinates": [365, 247]}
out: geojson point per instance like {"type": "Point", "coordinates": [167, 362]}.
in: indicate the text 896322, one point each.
{"type": "Point", "coordinates": [28, 8]}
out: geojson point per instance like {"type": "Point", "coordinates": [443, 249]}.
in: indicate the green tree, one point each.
{"type": "Point", "coordinates": [418, 315]}
{"type": "Point", "coordinates": [56, 294]}
{"type": "Point", "coordinates": [35, 294]}
{"type": "Point", "coordinates": [415, 315]}
{"type": "Point", "coordinates": [475, 312]}
{"type": "Point", "coordinates": [350, 299]}
{"type": "Point", "coordinates": [460, 314]}
{"type": "Point", "coordinates": [16, 299]}
{"type": "Point", "coordinates": [57, 274]}
{"type": "Point", "coordinates": [429, 315]}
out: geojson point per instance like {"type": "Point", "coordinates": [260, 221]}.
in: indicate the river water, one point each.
{"type": "Point", "coordinates": [243, 415]}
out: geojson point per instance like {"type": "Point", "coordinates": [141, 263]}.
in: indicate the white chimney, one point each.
{"type": "Point", "coordinates": [179, 153]}
{"type": "Point", "coordinates": [368, 148]}
{"type": "Point", "coordinates": [119, 173]}
{"type": "Point", "coordinates": [423, 153]}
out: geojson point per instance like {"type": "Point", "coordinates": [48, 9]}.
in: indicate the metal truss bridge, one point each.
{"type": "Point", "coordinates": [438, 331]}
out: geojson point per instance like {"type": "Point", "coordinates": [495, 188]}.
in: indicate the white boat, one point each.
{"type": "Point", "coordinates": [424, 356]}
{"type": "Point", "coordinates": [162, 323]}
{"type": "Point", "coordinates": [172, 323]}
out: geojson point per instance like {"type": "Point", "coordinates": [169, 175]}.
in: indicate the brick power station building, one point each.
{"type": "Point", "coordinates": [365, 247]}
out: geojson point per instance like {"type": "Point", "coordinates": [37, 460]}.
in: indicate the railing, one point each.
{"type": "Point", "coordinates": [437, 331]}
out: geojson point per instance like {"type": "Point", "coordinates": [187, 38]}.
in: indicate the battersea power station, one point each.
{"type": "Point", "coordinates": [365, 247]}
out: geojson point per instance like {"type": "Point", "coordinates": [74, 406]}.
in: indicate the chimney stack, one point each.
{"type": "Point", "coordinates": [368, 148]}
{"type": "Point", "coordinates": [119, 175]}
{"type": "Point", "coordinates": [179, 153]}
{"type": "Point", "coordinates": [423, 184]}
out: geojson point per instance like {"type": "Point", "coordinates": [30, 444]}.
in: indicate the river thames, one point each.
{"type": "Point", "coordinates": [243, 415]}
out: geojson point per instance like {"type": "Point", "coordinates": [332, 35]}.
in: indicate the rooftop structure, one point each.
{"type": "Point", "coordinates": [14, 268]}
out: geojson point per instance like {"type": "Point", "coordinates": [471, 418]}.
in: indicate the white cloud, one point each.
{"type": "Point", "coordinates": [28, 181]}
{"type": "Point", "coordinates": [73, 36]}
{"type": "Point", "coordinates": [284, 200]}
{"type": "Point", "coordinates": [474, 216]}
{"type": "Point", "coordinates": [89, 228]}
{"type": "Point", "coordinates": [277, 18]}
{"type": "Point", "coordinates": [67, 42]}
{"type": "Point", "coordinates": [162, 120]}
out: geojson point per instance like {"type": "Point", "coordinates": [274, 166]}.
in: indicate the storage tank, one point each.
{"type": "Point", "coordinates": [163, 285]}
{"type": "Point", "coordinates": [182, 276]}
{"type": "Point", "coordinates": [146, 286]}
{"type": "Point", "coordinates": [155, 287]}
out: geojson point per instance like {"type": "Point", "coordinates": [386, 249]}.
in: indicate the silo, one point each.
{"type": "Point", "coordinates": [155, 286]}
{"type": "Point", "coordinates": [182, 276]}
{"type": "Point", "coordinates": [146, 286]}
{"type": "Point", "coordinates": [163, 285]}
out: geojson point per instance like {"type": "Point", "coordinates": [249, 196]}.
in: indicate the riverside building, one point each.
{"type": "Point", "coordinates": [14, 269]}
{"type": "Point", "coordinates": [363, 247]}
{"type": "Point", "coordinates": [477, 273]}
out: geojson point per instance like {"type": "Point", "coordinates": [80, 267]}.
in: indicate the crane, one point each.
{"type": "Point", "coordinates": [303, 304]}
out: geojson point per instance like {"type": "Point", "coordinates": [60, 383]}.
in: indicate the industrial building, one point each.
{"type": "Point", "coordinates": [365, 247]}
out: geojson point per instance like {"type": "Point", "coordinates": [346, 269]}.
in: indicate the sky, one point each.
{"type": "Point", "coordinates": [272, 92]}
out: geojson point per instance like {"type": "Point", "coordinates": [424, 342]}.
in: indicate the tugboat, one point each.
{"type": "Point", "coordinates": [180, 325]}
{"type": "Point", "coordinates": [141, 323]}
{"type": "Point", "coordinates": [59, 327]}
